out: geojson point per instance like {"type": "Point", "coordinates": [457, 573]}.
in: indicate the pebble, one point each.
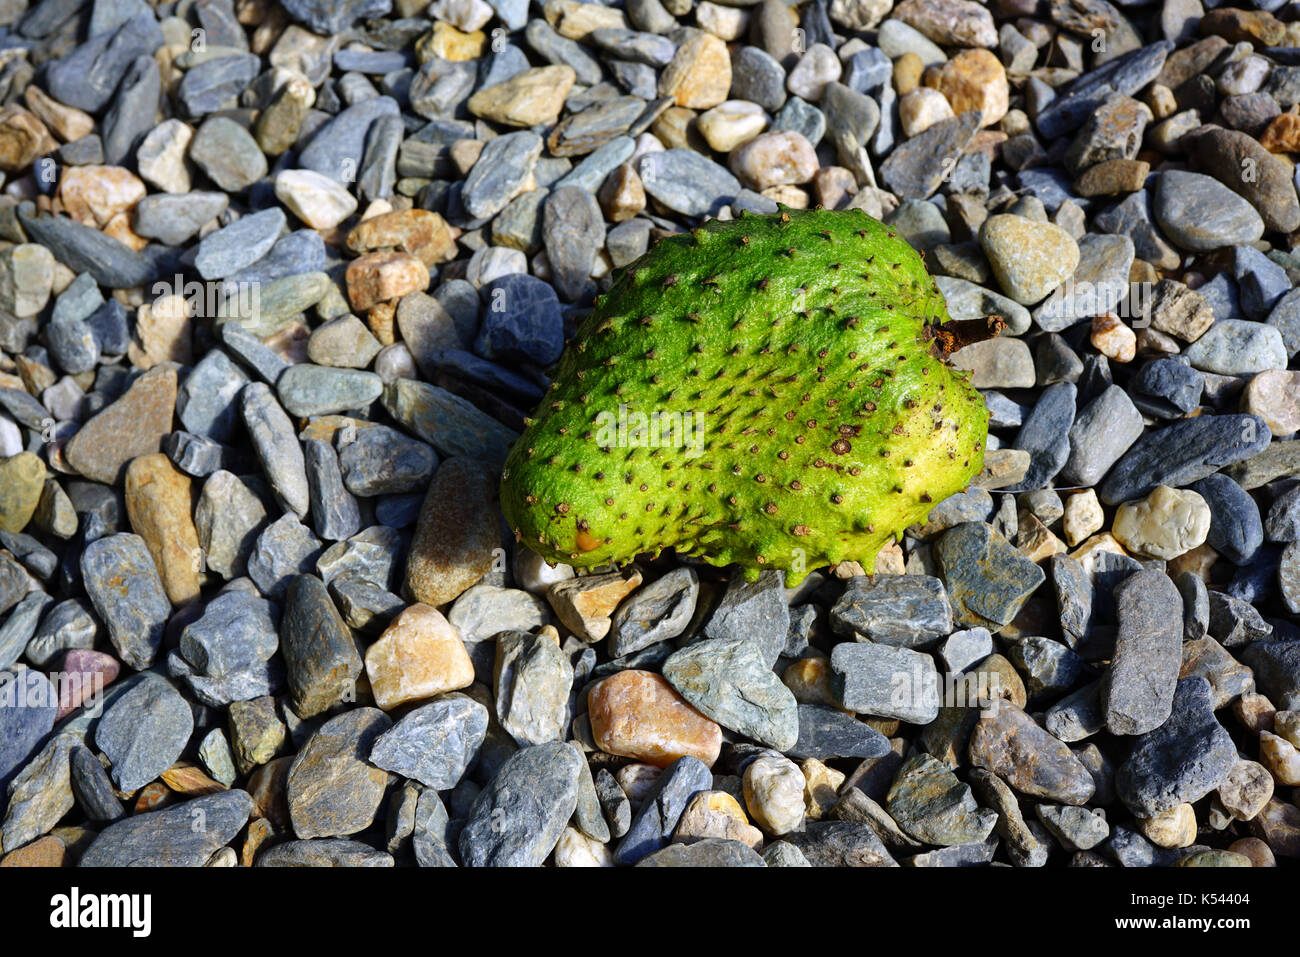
{"type": "Point", "coordinates": [320, 657]}
{"type": "Point", "coordinates": [932, 805]}
{"type": "Point", "coordinates": [1138, 689]}
{"type": "Point", "coordinates": [727, 681]}
{"type": "Point", "coordinates": [638, 714]}
{"type": "Point", "coordinates": [332, 791]}
{"type": "Point", "coordinates": [908, 611]}
{"type": "Point", "coordinates": [518, 818]}
{"type": "Point", "coordinates": [144, 731]}
{"type": "Point", "coordinates": [774, 794]}
{"type": "Point", "coordinates": [1180, 761]}
{"type": "Point", "coordinates": [656, 612]}
{"type": "Point", "coordinates": [419, 656]}
{"type": "Point", "coordinates": [123, 585]}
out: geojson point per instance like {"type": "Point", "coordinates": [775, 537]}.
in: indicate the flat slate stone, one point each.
{"type": "Point", "coordinates": [518, 817]}
{"type": "Point", "coordinates": [1182, 760]}
{"type": "Point", "coordinates": [908, 611]}
{"type": "Point", "coordinates": [168, 838]}
{"type": "Point", "coordinates": [144, 731]}
{"type": "Point", "coordinates": [728, 681]}
{"type": "Point", "coordinates": [434, 744]}
{"type": "Point", "coordinates": [1138, 688]}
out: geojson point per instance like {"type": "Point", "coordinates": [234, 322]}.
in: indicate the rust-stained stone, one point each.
{"type": "Point", "coordinates": [1009, 743]}
{"type": "Point", "coordinates": [585, 605]}
{"type": "Point", "coordinates": [45, 851]}
{"type": "Point", "coordinates": [332, 790]}
{"type": "Point", "coordinates": [379, 277]}
{"type": "Point", "coordinates": [421, 233]}
{"type": "Point", "coordinates": [457, 534]}
{"type": "Point", "coordinates": [159, 507]}
{"type": "Point", "coordinates": [267, 787]}
{"type": "Point", "coordinates": [190, 780]}
{"type": "Point", "coordinates": [418, 656]}
{"type": "Point", "coordinates": [637, 714]}
{"type": "Point", "coordinates": [319, 652]}
{"type": "Point", "coordinates": [132, 426]}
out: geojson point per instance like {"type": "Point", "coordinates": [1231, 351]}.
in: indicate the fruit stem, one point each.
{"type": "Point", "coordinates": [958, 333]}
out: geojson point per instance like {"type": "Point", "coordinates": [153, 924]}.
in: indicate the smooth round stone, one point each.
{"type": "Point", "coordinates": [774, 789]}
{"type": "Point", "coordinates": [637, 714]}
{"type": "Point", "coordinates": [1165, 524]}
{"type": "Point", "coordinates": [778, 158]}
{"type": "Point", "coordinates": [1238, 347]}
{"type": "Point", "coordinates": [814, 70]}
{"type": "Point", "coordinates": [731, 123]}
{"type": "Point", "coordinates": [1199, 213]}
{"type": "Point", "coordinates": [758, 78]}
{"type": "Point", "coordinates": [1002, 363]}
{"type": "Point", "coordinates": [228, 154]}
{"type": "Point", "coordinates": [1274, 396]}
{"type": "Point", "coordinates": [305, 389]}
{"type": "Point", "coordinates": [314, 198]}
{"type": "Point", "coordinates": [418, 656]}
{"type": "Point", "coordinates": [1030, 259]}
{"type": "Point", "coordinates": [921, 108]}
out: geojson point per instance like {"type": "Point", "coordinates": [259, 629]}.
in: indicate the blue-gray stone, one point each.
{"type": "Point", "coordinates": [334, 512]}
{"type": "Point", "coordinates": [435, 743]}
{"type": "Point", "coordinates": [132, 114]}
{"type": "Point", "coordinates": [655, 612]}
{"type": "Point", "coordinates": [1167, 388]}
{"type": "Point", "coordinates": [754, 611]}
{"type": "Point", "coordinates": [523, 321]}
{"type": "Point", "coordinates": [285, 549]}
{"type": "Point", "coordinates": [169, 838]}
{"type": "Point", "coordinates": [1124, 74]}
{"type": "Point", "coordinates": [216, 84]}
{"type": "Point", "coordinates": [687, 182]}
{"type": "Point", "coordinates": [235, 632]}
{"type": "Point", "coordinates": [826, 733]}
{"type": "Point", "coordinates": [518, 817]}
{"type": "Point", "coordinates": [28, 703]}
{"type": "Point", "coordinates": [123, 584]}
{"type": "Point", "coordinates": [728, 681]}
{"type": "Point", "coordinates": [885, 681]}
{"type": "Point", "coordinates": [174, 218]}
{"type": "Point", "coordinates": [383, 461]}
{"type": "Point", "coordinates": [328, 17]}
{"type": "Point", "coordinates": [1236, 530]}
{"type": "Point", "coordinates": [908, 611]}
{"type": "Point", "coordinates": [87, 77]}
{"type": "Point", "coordinates": [240, 244]}
{"type": "Point", "coordinates": [1260, 281]}
{"type": "Point", "coordinates": [195, 455]}
{"type": "Point", "coordinates": [250, 350]}
{"type": "Point", "coordinates": [144, 731]}
{"type": "Point", "coordinates": [986, 578]}
{"type": "Point", "coordinates": [1277, 671]}
{"type": "Point", "coordinates": [1182, 453]}
{"type": "Point", "coordinates": [1137, 691]}
{"type": "Point", "coordinates": [207, 402]}
{"type": "Point", "coordinates": [1182, 760]}
{"type": "Point", "coordinates": [338, 148]}
{"type": "Point", "coordinates": [85, 249]}
{"type": "Point", "coordinates": [92, 788]}
{"type": "Point", "coordinates": [299, 252]}
{"type": "Point", "coordinates": [306, 389]}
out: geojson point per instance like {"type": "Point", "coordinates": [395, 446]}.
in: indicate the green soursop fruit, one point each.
{"type": "Point", "coordinates": [770, 391]}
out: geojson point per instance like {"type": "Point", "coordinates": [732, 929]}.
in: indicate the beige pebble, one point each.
{"type": "Point", "coordinates": [418, 656]}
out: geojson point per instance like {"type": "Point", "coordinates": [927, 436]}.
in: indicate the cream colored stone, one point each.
{"type": "Point", "coordinates": [575, 849]}
{"type": "Point", "coordinates": [821, 788]}
{"type": "Point", "coordinates": [1274, 395]}
{"type": "Point", "coordinates": [637, 780]}
{"type": "Point", "coordinates": [314, 198]}
{"type": "Point", "coordinates": [1286, 725]}
{"type": "Point", "coordinates": [575, 20]}
{"type": "Point", "coordinates": [921, 108]}
{"type": "Point", "coordinates": [699, 75]}
{"type": "Point", "coordinates": [419, 655]}
{"type": "Point", "coordinates": [774, 788]}
{"type": "Point", "coordinates": [730, 123]}
{"type": "Point", "coordinates": [973, 80]}
{"type": "Point", "coordinates": [778, 158]}
{"type": "Point", "coordinates": [1281, 757]}
{"type": "Point", "coordinates": [530, 98]}
{"type": "Point", "coordinates": [1165, 524]}
{"type": "Point", "coordinates": [1246, 789]}
{"type": "Point", "coordinates": [1083, 516]}
{"type": "Point", "coordinates": [93, 195]}
{"type": "Point", "coordinates": [724, 22]}
{"type": "Point", "coordinates": [1173, 828]}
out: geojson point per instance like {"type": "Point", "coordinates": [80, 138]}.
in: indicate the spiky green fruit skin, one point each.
{"type": "Point", "coordinates": [829, 423]}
